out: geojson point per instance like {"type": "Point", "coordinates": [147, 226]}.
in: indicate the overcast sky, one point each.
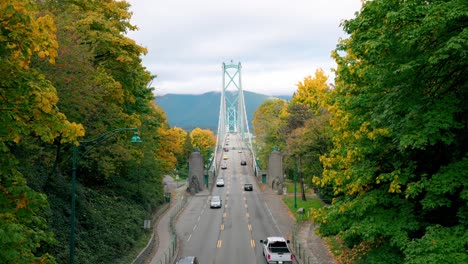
{"type": "Point", "coordinates": [278, 42]}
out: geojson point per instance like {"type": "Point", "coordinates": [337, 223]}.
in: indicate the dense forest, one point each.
{"type": "Point", "coordinates": [386, 145]}
{"type": "Point", "coordinates": [71, 78]}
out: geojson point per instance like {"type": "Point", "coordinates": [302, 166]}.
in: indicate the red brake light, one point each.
{"type": "Point", "coordinates": [269, 257]}
{"type": "Point", "coordinates": [292, 256]}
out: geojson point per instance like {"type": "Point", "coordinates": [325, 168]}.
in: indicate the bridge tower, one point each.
{"type": "Point", "coordinates": [232, 112]}
{"type": "Point", "coordinates": [232, 99]}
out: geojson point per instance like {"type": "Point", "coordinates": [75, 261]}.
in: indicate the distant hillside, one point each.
{"type": "Point", "coordinates": [191, 111]}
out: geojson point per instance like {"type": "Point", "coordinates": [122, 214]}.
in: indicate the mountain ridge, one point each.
{"type": "Point", "coordinates": [189, 111]}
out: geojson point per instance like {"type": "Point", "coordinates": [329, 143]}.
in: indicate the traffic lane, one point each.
{"type": "Point", "coordinates": [235, 245]}
{"type": "Point", "coordinates": [198, 224]}
{"type": "Point", "coordinates": [201, 235]}
{"type": "Point", "coordinates": [269, 217]}
{"type": "Point", "coordinates": [261, 223]}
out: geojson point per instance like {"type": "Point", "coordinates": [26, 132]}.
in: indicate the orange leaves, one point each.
{"type": "Point", "coordinates": [171, 145]}
{"type": "Point", "coordinates": [203, 139]}
{"type": "Point", "coordinates": [25, 33]}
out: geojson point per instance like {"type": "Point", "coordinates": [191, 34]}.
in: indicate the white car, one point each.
{"type": "Point", "coordinates": [215, 202]}
{"type": "Point", "coordinates": [220, 183]}
{"type": "Point", "coordinates": [276, 250]}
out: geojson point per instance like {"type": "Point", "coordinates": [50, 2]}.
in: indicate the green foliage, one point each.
{"type": "Point", "coordinates": [301, 131]}
{"type": "Point", "coordinates": [398, 166]}
{"type": "Point", "coordinates": [308, 206]}
{"type": "Point", "coordinates": [69, 66]}
{"type": "Point", "coordinates": [22, 227]}
{"type": "Point", "coordinates": [438, 245]}
{"type": "Point", "coordinates": [267, 124]}
{"type": "Point", "coordinates": [101, 218]}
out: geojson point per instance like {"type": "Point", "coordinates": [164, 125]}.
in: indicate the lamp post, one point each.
{"type": "Point", "coordinates": [135, 139]}
{"type": "Point", "coordinates": [295, 189]}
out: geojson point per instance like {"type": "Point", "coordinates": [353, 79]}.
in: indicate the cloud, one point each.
{"type": "Point", "coordinates": [278, 42]}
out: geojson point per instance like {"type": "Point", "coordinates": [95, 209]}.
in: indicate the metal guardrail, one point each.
{"type": "Point", "coordinates": [146, 252]}
{"type": "Point", "coordinates": [302, 252]}
{"type": "Point", "coordinates": [171, 251]}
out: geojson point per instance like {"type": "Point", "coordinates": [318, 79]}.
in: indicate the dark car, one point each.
{"type": "Point", "coordinates": [223, 166]}
{"type": "Point", "coordinates": [248, 187]}
{"type": "Point", "coordinates": [243, 163]}
{"type": "Point", "coordinates": [188, 260]}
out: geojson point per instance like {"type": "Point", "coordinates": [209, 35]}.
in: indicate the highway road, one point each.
{"type": "Point", "coordinates": [230, 234]}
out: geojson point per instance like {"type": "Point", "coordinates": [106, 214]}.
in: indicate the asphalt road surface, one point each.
{"type": "Point", "coordinates": [230, 234]}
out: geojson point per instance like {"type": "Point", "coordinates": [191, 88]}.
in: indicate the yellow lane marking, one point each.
{"type": "Point", "coordinates": [247, 215]}
{"type": "Point", "coordinates": [250, 227]}
{"type": "Point", "coordinates": [222, 226]}
{"type": "Point", "coordinates": [226, 206]}
{"type": "Point", "coordinates": [220, 242]}
{"type": "Point", "coordinates": [224, 215]}
{"type": "Point", "coordinates": [245, 205]}
{"type": "Point", "coordinates": [252, 243]}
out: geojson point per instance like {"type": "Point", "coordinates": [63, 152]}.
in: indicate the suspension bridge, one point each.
{"type": "Point", "coordinates": [232, 117]}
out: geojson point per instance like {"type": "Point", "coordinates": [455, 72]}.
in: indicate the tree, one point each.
{"type": "Point", "coordinates": [266, 128]}
{"type": "Point", "coordinates": [204, 140]}
{"type": "Point", "coordinates": [102, 85]}
{"type": "Point", "coordinates": [28, 106]}
{"type": "Point", "coordinates": [313, 92]}
{"type": "Point", "coordinates": [306, 128]}
{"type": "Point", "coordinates": [399, 159]}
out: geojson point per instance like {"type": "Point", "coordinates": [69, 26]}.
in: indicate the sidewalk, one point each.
{"type": "Point", "coordinates": [163, 232]}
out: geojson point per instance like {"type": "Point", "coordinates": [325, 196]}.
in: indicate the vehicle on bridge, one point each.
{"type": "Point", "coordinates": [223, 166]}
{"type": "Point", "coordinates": [276, 250]}
{"type": "Point", "coordinates": [216, 202]}
{"type": "Point", "coordinates": [188, 260]}
{"type": "Point", "coordinates": [220, 182]}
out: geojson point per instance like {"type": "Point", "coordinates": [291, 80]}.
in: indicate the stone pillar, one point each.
{"type": "Point", "coordinates": [211, 178]}
{"type": "Point", "coordinates": [196, 172]}
{"type": "Point", "coordinates": [275, 178]}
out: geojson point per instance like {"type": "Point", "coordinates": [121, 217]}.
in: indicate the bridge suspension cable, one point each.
{"type": "Point", "coordinates": [232, 113]}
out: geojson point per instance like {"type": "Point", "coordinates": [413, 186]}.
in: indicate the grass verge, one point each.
{"type": "Point", "coordinates": [310, 203]}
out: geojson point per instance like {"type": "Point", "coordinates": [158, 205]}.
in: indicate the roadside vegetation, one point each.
{"type": "Point", "coordinates": [385, 146]}
{"type": "Point", "coordinates": [69, 75]}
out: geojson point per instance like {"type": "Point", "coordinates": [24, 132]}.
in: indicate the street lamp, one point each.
{"type": "Point", "coordinates": [295, 188]}
{"type": "Point", "coordinates": [135, 139]}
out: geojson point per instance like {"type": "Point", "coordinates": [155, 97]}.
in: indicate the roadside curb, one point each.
{"type": "Point", "coordinates": [147, 252]}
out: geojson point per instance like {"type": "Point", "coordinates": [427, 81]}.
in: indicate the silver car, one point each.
{"type": "Point", "coordinates": [188, 260]}
{"type": "Point", "coordinates": [215, 202]}
{"type": "Point", "coordinates": [220, 183]}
